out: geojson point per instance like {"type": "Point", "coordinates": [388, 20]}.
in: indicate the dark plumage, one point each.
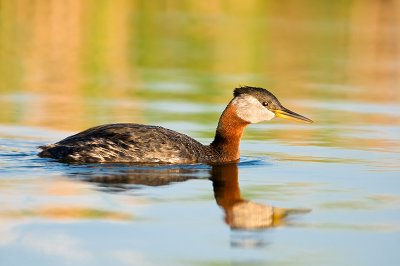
{"type": "Point", "coordinates": [128, 143]}
{"type": "Point", "coordinates": [136, 143]}
{"type": "Point", "coordinates": [258, 93]}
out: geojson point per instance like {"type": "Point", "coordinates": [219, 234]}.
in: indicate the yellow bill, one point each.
{"type": "Point", "coordinates": [287, 114]}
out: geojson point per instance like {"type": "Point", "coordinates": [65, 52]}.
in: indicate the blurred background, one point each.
{"type": "Point", "coordinates": [69, 65]}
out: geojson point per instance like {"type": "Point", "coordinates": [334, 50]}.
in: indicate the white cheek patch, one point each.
{"type": "Point", "coordinates": [251, 110]}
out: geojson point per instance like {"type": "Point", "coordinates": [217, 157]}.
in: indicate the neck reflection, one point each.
{"type": "Point", "coordinates": [241, 213]}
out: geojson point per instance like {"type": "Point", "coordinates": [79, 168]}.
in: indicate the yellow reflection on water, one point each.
{"type": "Point", "coordinates": [60, 199]}
{"type": "Point", "coordinates": [373, 49]}
{"type": "Point", "coordinates": [61, 55]}
{"type": "Point", "coordinates": [66, 213]}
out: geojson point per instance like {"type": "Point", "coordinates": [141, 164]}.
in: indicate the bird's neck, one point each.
{"type": "Point", "coordinates": [228, 134]}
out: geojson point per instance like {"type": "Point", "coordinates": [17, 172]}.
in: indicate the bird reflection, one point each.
{"type": "Point", "coordinates": [239, 212]}
{"type": "Point", "coordinates": [147, 176]}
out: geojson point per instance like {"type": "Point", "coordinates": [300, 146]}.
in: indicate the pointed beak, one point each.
{"type": "Point", "coordinates": [286, 113]}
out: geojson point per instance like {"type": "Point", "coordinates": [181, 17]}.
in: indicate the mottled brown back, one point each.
{"type": "Point", "coordinates": [126, 142]}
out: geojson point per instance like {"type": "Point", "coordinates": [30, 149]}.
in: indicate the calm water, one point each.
{"type": "Point", "coordinates": [67, 66]}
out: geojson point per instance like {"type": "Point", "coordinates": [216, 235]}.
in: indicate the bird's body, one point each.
{"type": "Point", "coordinates": [135, 143]}
{"type": "Point", "coordinates": [128, 143]}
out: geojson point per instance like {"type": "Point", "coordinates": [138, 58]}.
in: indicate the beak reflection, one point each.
{"type": "Point", "coordinates": [241, 213]}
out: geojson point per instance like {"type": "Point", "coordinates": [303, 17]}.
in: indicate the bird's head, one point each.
{"type": "Point", "coordinates": [254, 105]}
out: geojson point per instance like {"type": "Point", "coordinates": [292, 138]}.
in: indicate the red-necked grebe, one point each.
{"type": "Point", "coordinates": [136, 143]}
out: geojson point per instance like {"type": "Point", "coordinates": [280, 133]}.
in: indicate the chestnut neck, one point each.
{"type": "Point", "coordinates": [226, 185]}
{"type": "Point", "coordinates": [228, 134]}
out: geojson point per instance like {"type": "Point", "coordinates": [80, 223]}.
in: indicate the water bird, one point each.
{"type": "Point", "coordinates": [136, 143]}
